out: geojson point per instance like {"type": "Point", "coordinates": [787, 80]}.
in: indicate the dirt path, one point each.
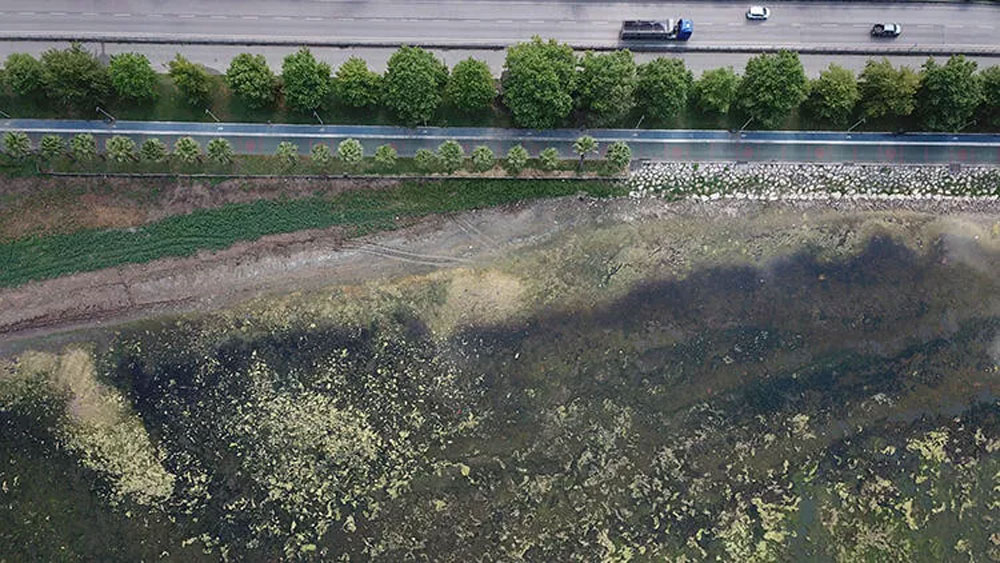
{"type": "Point", "coordinates": [274, 264]}
{"type": "Point", "coordinates": [312, 259]}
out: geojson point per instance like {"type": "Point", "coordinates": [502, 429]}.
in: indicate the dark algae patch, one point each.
{"type": "Point", "coordinates": [806, 410]}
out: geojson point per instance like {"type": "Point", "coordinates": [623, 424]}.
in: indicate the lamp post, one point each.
{"type": "Point", "coordinates": [110, 118]}
{"type": "Point", "coordinates": [860, 121]}
{"type": "Point", "coordinates": [5, 114]}
{"type": "Point", "coordinates": [745, 124]}
{"type": "Point", "coordinates": [973, 122]}
{"type": "Point", "coordinates": [209, 112]}
{"type": "Point", "coordinates": [316, 115]}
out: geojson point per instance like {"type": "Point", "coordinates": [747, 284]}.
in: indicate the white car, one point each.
{"type": "Point", "coordinates": [758, 13]}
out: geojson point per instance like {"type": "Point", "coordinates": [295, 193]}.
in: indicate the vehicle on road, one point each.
{"type": "Point", "coordinates": [886, 30]}
{"type": "Point", "coordinates": [758, 13]}
{"type": "Point", "coordinates": [650, 30]}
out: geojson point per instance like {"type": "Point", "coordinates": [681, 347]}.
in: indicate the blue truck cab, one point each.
{"type": "Point", "coordinates": [684, 29]}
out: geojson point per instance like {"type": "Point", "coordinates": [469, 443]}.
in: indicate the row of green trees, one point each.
{"type": "Point", "coordinates": [449, 157]}
{"type": "Point", "coordinates": [543, 84]}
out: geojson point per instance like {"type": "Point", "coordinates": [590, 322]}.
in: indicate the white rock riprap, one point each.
{"type": "Point", "coordinates": [784, 181]}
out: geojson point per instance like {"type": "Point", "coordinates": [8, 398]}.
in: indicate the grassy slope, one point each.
{"type": "Point", "coordinates": [362, 211]}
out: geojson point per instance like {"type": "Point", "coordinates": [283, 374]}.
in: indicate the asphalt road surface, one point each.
{"type": "Point", "coordinates": [955, 27]}
{"type": "Point", "coordinates": [914, 148]}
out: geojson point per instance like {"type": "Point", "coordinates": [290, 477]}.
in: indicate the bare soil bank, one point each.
{"type": "Point", "coordinates": [696, 233]}
{"type": "Point", "coordinates": [46, 206]}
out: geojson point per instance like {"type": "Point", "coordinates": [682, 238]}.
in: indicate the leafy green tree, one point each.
{"type": "Point", "coordinates": [451, 156]}
{"type": "Point", "coordinates": [606, 86]}
{"type": "Point", "coordinates": [425, 160]}
{"type": "Point", "coordinates": [17, 144]}
{"type": "Point", "coordinates": [321, 155]}
{"type": "Point", "coordinates": [483, 158]}
{"type": "Point", "coordinates": [949, 94]}
{"type": "Point", "coordinates": [619, 154]}
{"type": "Point", "coordinates": [583, 146]}
{"type": "Point", "coordinates": [990, 112]}
{"type": "Point", "coordinates": [287, 153]}
{"type": "Point", "coordinates": [538, 83]}
{"type": "Point", "coordinates": [385, 156]}
{"type": "Point", "coordinates": [471, 87]}
{"type": "Point", "coordinates": [23, 74]}
{"type": "Point", "coordinates": [120, 149]}
{"type": "Point", "coordinates": [549, 158]}
{"type": "Point", "coordinates": [517, 159]}
{"type": "Point", "coordinates": [132, 77]}
{"type": "Point", "coordinates": [886, 90]}
{"type": "Point", "coordinates": [220, 151]}
{"type": "Point", "coordinates": [83, 147]}
{"type": "Point", "coordinates": [187, 150]}
{"type": "Point", "coordinates": [716, 90]}
{"type": "Point", "coordinates": [52, 147]}
{"type": "Point", "coordinates": [414, 79]}
{"type": "Point", "coordinates": [191, 80]}
{"type": "Point", "coordinates": [663, 87]}
{"type": "Point", "coordinates": [74, 77]}
{"type": "Point", "coordinates": [249, 77]}
{"type": "Point", "coordinates": [350, 151]}
{"type": "Point", "coordinates": [356, 86]}
{"type": "Point", "coordinates": [772, 86]}
{"type": "Point", "coordinates": [307, 81]}
{"type": "Point", "coordinates": [153, 150]}
{"type": "Point", "coordinates": [833, 95]}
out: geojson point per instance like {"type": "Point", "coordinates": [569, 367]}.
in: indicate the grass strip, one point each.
{"type": "Point", "coordinates": [362, 210]}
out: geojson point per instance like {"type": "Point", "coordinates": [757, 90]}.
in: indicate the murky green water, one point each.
{"type": "Point", "coordinates": [802, 411]}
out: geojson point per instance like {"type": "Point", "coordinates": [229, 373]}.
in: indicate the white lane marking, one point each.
{"type": "Point", "coordinates": [218, 17]}
{"type": "Point", "coordinates": [91, 14]}
{"type": "Point", "coordinates": [282, 17]}
{"type": "Point", "coordinates": [251, 18]}
{"type": "Point", "coordinates": [505, 21]}
{"type": "Point", "coordinates": [314, 19]}
{"type": "Point", "coordinates": [536, 22]}
{"type": "Point", "coordinates": [57, 13]}
{"type": "Point", "coordinates": [186, 16]}
{"type": "Point", "coordinates": [122, 15]}
{"type": "Point", "coordinates": [600, 22]}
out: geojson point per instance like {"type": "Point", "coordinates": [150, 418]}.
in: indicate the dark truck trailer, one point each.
{"type": "Point", "coordinates": [649, 30]}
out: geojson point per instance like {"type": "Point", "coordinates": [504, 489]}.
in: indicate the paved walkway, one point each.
{"type": "Point", "coordinates": [653, 144]}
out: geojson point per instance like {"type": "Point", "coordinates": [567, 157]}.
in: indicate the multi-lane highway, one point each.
{"type": "Point", "coordinates": [946, 27]}
{"type": "Point", "coordinates": [646, 144]}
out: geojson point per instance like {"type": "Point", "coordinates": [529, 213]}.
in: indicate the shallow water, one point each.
{"type": "Point", "coordinates": [803, 410]}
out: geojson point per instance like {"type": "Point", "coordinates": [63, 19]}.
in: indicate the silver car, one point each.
{"type": "Point", "coordinates": [758, 13]}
